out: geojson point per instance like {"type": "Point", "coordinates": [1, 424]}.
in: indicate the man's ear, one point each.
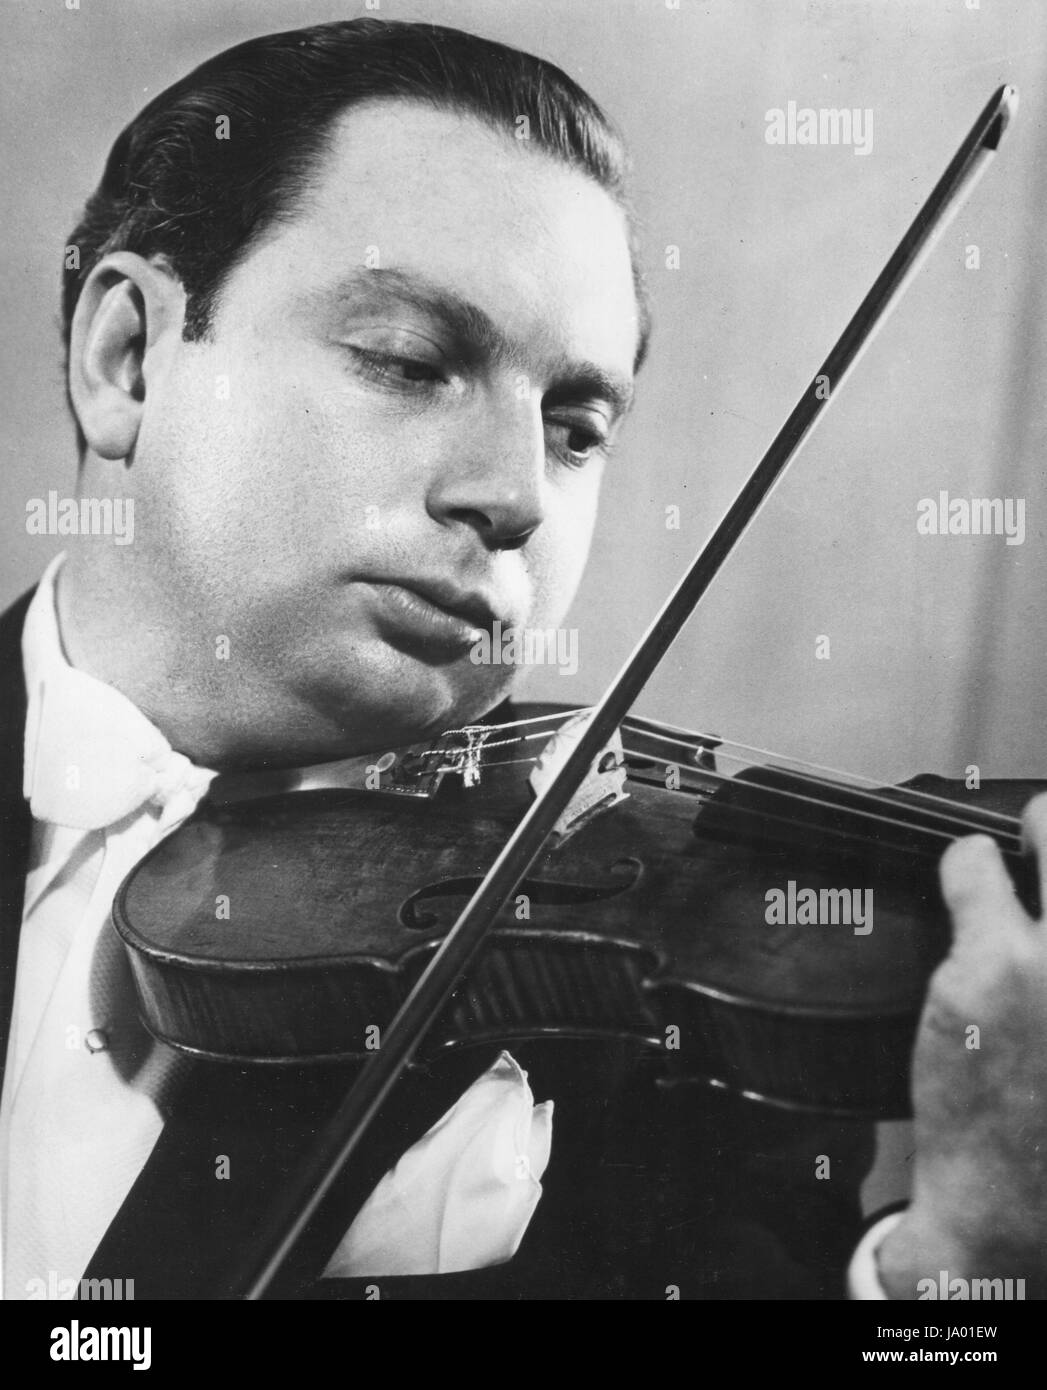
{"type": "Point", "coordinates": [127, 312]}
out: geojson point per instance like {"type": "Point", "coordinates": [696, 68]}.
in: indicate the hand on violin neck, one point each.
{"type": "Point", "coordinates": [979, 1208]}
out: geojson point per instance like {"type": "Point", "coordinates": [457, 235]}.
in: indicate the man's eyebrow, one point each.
{"type": "Point", "coordinates": [477, 330]}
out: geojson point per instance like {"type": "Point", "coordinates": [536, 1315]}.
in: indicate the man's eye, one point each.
{"type": "Point", "coordinates": [397, 370]}
{"type": "Point", "coordinates": [576, 444]}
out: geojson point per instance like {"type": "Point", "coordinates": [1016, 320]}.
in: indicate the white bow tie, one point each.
{"type": "Point", "coordinates": [93, 758]}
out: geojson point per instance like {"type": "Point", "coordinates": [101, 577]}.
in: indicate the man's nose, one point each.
{"type": "Point", "coordinates": [492, 475]}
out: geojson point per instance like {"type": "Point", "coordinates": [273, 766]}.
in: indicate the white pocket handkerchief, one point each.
{"type": "Point", "coordinates": [461, 1198]}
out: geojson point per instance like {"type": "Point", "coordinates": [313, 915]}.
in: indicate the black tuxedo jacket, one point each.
{"type": "Point", "coordinates": [650, 1192]}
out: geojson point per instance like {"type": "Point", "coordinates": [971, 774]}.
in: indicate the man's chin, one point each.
{"type": "Point", "coordinates": [394, 709]}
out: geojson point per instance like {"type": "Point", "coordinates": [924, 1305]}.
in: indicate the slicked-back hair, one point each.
{"type": "Point", "coordinates": [172, 188]}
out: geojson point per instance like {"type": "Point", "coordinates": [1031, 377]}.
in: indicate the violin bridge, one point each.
{"type": "Point", "coordinates": [604, 784]}
{"type": "Point", "coordinates": [466, 761]}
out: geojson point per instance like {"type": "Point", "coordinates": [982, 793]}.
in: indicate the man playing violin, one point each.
{"type": "Point", "coordinates": [354, 323]}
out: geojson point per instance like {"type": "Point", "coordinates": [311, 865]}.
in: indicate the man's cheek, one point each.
{"type": "Point", "coordinates": [562, 570]}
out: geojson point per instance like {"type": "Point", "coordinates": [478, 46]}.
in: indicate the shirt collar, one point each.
{"type": "Point", "coordinates": [91, 756]}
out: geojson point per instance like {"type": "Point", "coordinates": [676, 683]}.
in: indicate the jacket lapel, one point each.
{"type": "Point", "coordinates": [15, 821]}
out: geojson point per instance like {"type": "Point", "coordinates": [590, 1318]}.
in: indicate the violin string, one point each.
{"type": "Point", "coordinates": [957, 823]}
{"type": "Point", "coordinates": [668, 733]}
{"type": "Point", "coordinates": [860, 786]}
{"type": "Point", "coordinates": [1011, 840]}
{"type": "Point", "coordinates": [482, 750]}
{"type": "Point", "coordinates": [816, 802]}
{"type": "Point", "coordinates": [470, 729]}
{"type": "Point", "coordinates": [787, 764]}
{"type": "Point", "coordinates": [532, 719]}
{"type": "Point", "coordinates": [952, 811]}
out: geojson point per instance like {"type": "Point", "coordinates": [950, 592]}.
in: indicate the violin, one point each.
{"type": "Point", "coordinates": [616, 881]}
{"type": "Point", "coordinates": [289, 928]}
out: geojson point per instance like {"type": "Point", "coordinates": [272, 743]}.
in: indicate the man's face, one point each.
{"type": "Point", "coordinates": [393, 437]}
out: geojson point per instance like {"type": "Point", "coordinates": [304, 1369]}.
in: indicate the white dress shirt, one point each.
{"type": "Point", "coordinates": [86, 1086]}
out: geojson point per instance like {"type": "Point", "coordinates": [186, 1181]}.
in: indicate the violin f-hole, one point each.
{"type": "Point", "coordinates": [438, 904]}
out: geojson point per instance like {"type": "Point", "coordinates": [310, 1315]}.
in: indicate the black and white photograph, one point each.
{"type": "Point", "coordinates": [523, 692]}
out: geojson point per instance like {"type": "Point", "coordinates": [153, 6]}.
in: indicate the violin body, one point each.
{"type": "Point", "coordinates": [781, 955]}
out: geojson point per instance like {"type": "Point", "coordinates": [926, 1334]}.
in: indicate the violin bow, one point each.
{"type": "Point", "coordinates": [265, 1263]}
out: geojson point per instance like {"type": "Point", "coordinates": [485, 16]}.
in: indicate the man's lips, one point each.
{"type": "Point", "coordinates": [469, 605]}
{"type": "Point", "coordinates": [433, 610]}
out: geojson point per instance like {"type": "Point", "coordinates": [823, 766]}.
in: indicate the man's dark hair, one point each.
{"type": "Point", "coordinates": [172, 189]}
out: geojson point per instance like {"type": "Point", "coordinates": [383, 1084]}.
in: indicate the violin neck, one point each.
{"type": "Point", "coordinates": [908, 826]}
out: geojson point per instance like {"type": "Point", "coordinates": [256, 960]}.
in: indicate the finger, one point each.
{"type": "Point", "coordinates": [1034, 838]}
{"type": "Point", "coordinates": [978, 891]}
